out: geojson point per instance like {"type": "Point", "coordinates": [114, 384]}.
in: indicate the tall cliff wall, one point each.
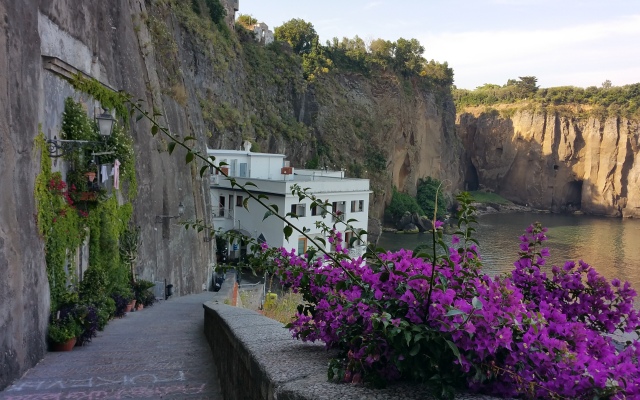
{"type": "Point", "coordinates": [560, 161]}
{"type": "Point", "coordinates": [98, 38]}
{"type": "Point", "coordinates": [210, 84]}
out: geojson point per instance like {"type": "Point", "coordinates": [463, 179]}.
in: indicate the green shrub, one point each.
{"type": "Point", "coordinates": [426, 197]}
{"type": "Point", "coordinates": [400, 204]}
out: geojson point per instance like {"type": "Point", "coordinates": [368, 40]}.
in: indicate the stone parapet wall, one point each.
{"type": "Point", "coordinates": [256, 358]}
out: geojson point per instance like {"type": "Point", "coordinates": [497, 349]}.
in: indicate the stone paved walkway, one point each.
{"type": "Point", "coordinates": [156, 353]}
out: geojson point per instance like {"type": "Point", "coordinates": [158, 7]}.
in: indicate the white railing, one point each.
{"type": "Point", "coordinates": [221, 212]}
{"type": "Point", "coordinates": [357, 251]}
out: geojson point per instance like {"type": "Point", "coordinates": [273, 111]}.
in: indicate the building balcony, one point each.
{"type": "Point", "coordinates": [221, 212]}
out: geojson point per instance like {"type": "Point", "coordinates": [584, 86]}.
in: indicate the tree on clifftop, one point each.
{"type": "Point", "coordinates": [525, 85]}
{"type": "Point", "coordinates": [408, 55]}
{"type": "Point", "coordinates": [301, 35]}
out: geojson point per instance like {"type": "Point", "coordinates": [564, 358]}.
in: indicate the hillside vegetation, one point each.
{"type": "Point", "coordinates": [606, 100]}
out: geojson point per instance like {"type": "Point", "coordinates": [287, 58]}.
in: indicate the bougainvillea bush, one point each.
{"type": "Point", "coordinates": [438, 319]}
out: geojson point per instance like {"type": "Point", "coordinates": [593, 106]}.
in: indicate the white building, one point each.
{"type": "Point", "coordinates": [262, 33]}
{"type": "Point", "coordinates": [274, 178]}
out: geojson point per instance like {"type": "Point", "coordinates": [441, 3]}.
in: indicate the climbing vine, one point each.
{"type": "Point", "coordinates": [66, 218]}
{"type": "Point", "coordinates": [60, 224]}
{"type": "Point", "coordinates": [107, 97]}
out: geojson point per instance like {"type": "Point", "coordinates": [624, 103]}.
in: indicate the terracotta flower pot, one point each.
{"type": "Point", "coordinates": [88, 196]}
{"type": "Point", "coordinates": [139, 307]}
{"type": "Point", "coordinates": [130, 306]}
{"type": "Point", "coordinates": [90, 175]}
{"type": "Point", "coordinates": [66, 346]}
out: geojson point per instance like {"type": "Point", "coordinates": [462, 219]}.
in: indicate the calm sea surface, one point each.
{"type": "Point", "coordinates": [610, 245]}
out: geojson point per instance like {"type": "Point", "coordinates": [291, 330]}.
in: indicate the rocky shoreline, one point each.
{"type": "Point", "coordinates": [493, 208]}
{"type": "Point", "coordinates": [414, 223]}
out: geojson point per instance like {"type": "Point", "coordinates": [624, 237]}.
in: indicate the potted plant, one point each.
{"type": "Point", "coordinates": [141, 290]}
{"type": "Point", "coordinates": [149, 299]}
{"type": "Point", "coordinates": [120, 305]}
{"type": "Point", "coordinates": [87, 318]}
{"type": "Point", "coordinates": [124, 300]}
{"type": "Point", "coordinates": [62, 333]}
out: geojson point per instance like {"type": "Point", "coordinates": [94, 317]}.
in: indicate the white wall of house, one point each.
{"type": "Point", "coordinates": [350, 197]}
{"type": "Point", "coordinates": [257, 165]}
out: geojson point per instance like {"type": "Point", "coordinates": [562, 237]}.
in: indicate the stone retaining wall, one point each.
{"type": "Point", "coordinates": [256, 358]}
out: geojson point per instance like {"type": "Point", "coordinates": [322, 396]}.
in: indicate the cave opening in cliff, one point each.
{"type": "Point", "coordinates": [471, 181]}
{"type": "Point", "coordinates": [573, 196]}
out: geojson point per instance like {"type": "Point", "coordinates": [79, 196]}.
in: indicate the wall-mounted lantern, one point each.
{"type": "Point", "coordinates": [105, 123]}
{"type": "Point", "coordinates": [160, 218]}
{"type": "Point", "coordinates": [62, 147]}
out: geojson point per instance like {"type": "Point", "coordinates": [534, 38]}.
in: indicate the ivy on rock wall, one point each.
{"type": "Point", "coordinates": [71, 211]}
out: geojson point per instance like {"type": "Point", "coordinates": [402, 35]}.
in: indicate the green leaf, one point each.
{"type": "Point", "coordinates": [203, 170]}
{"type": "Point", "coordinates": [477, 304]}
{"type": "Point", "coordinates": [263, 196]}
{"type": "Point", "coordinates": [245, 203]}
{"type": "Point", "coordinates": [171, 146]}
{"type": "Point", "coordinates": [275, 207]}
{"type": "Point", "coordinates": [362, 232]}
{"type": "Point", "coordinates": [321, 240]}
{"type": "Point", "coordinates": [288, 230]}
{"type": "Point", "coordinates": [251, 184]}
{"type": "Point", "coordinates": [188, 138]}
{"type": "Point", "coordinates": [414, 350]}
{"type": "Point", "coordinates": [453, 312]}
{"type": "Point", "coordinates": [139, 117]}
{"type": "Point", "coordinates": [407, 337]}
{"type": "Point", "coordinates": [189, 157]}
{"type": "Point", "coordinates": [352, 240]}
{"type": "Point", "coordinates": [154, 130]}
{"type": "Point", "coordinates": [454, 349]}
{"type": "Point", "coordinates": [267, 215]}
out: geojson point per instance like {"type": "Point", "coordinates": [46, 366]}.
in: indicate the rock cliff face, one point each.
{"type": "Point", "coordinates": [412, 134]}
{"type": "Point", "coordinates": [98, 38]}
{"type": "Point", "coordinates": [555, 161]}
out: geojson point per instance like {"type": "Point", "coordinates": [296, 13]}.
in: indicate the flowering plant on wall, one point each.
{"type": "Point", "coordinates": [439, 319]}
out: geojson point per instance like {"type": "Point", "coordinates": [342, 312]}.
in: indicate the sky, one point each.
{"type": "Point", "coordinates": [561, 42]}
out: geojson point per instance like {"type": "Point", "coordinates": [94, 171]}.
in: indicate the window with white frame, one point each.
{"type": "Point", "coordinates": [357, 205]}
{"type": "Point", "coordinates": [299, 209]}
{"type": "Point", "coordinates": [348, 235]}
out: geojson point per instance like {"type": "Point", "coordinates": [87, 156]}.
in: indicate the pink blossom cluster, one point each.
{"type": "Point", "coordinates": [396, 317]}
